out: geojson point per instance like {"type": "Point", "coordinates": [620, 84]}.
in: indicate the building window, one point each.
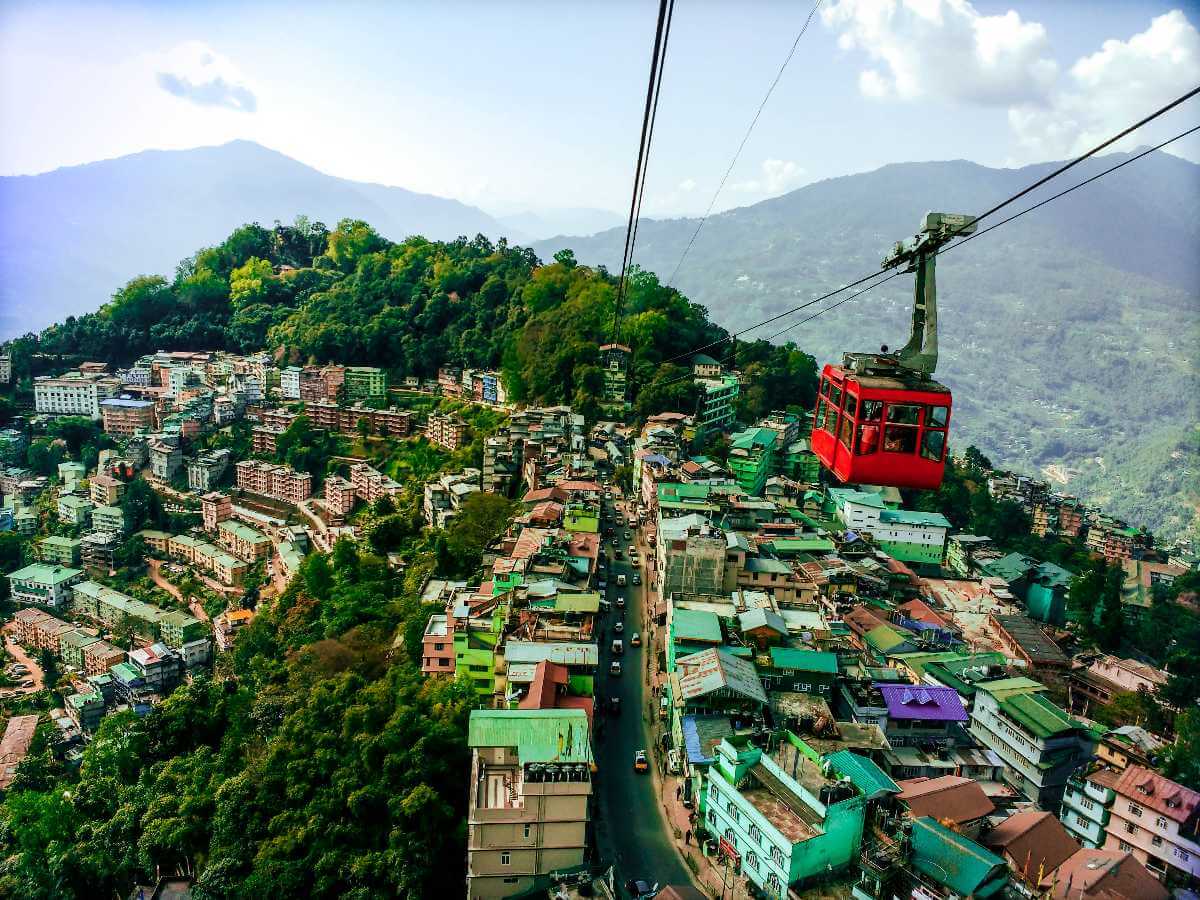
{"type": "Point", "coordinates": [506, 858]}
{"type": "Point", "coordinates": [1161, 822]}
{"type": "Point", "coordinates": [712, 817]}
{"type": "Point", "coordinates": [1156, 841]}
{"type": "Point", "coordinates": [511, 879]}
{"type": "Point", "coordinates": [732, 810]}
{"type": "Point", "coordinates": [777, 856]}
{"type": "Point", "coordinates": [1125, 848]}
{"type": "Point", "coordinates": [1134, 809]}
{"type": "Point", "coordinates": [755, 833]}
{"type": "Point", "coordinates": [1182, 854]}
{"type": "Point", "coordinates": [1130, 828]}
{"type": "Point", "coordinates": [752, 860]}
{"type": "Point", "coordinates": [528, 829]}
{"type": "Point", "coordinates": [1086, 804]}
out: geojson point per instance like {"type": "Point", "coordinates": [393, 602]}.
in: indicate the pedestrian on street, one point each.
{"type": "Point", "coordinates": [687, 837]}
{"type": "Point", "coordinates": [678, 792]}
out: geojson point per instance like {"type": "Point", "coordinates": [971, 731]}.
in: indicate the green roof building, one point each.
{"type": "Point", "coordinates": [752, 457]}
{"type": "Point", "coordinates": [109, 518]}
{"type": "Point", "coordinates": [365, 383]}
{"type": "Point", "coordinates": [715, 405]}
{"type": "Point", "coordinates": [71, 646]}
{"type": "Point", "coordinates": [61, 550]}
{"type": "Point", "coordinates": [803, 671]}
{"type": "Point", "coordinates": [178, 628]}
{"type": "Point", "coordinates": [43, 583]}
{"type": "Point", "coordinates": [691, 630]}
{"type": "Point", "coordinates": [955, 863]}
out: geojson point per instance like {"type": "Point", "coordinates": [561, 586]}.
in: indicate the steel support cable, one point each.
{"type": "Point", "coordinates": [737, 154]}
{"type": "Point", "coordinates": [965, 240]}
{"type": "Point", "coordinates": [643, 149]}
{"type": "Point", "coordinates": [1061, 169]}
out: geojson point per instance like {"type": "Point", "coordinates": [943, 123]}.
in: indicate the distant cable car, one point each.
{"type": "Point", "coordinates": [880, 417]}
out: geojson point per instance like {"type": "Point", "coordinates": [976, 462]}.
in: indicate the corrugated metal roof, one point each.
{"type": "Point", "coordinates": [713, 670]}
{"type": "Point", "coordinates": [804, 660]}
{"type": "Point", "coordinates": [540, 735]}
{"type": "Point", "coordinates": [955, 861]}
{"type": "Point", "coordinates": [563, 653]}
{"type": "Point", "coordinates": [695, 625]}
{"type": "Point", "coordinates": [863, 773]}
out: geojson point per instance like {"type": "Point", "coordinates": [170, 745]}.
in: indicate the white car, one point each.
{"type": "Point", "coordinates": [615, 668]}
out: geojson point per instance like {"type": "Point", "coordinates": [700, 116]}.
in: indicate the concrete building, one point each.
{"type": "Point", "coordinates": [74, 510]}
{"type": "Point", "coordinates": [124, 416]}
{"type": "Point", "coordinates": [751, 458]}
{"type": "Point", "coordinates": [5, 368]}
{"type": "Point", "coordinates": [784, 825]}
{"type": "Point", "coordinates": [370, 484]}
{"type": "Point", "coordinates": [715, 408]}
{"type": "Point", "coordinates": [444, 497]}
{"type": "Point", "coordinates": [166, 456]}
{"type": "Point", "coordinates": [365, 383]}
{"type": "Point", "coordinates": [243, 541]}
{"type": "Point", "coordinates": [215, 508]}
{"type": "Point", "coordinates": [58, 550]}
{"type": "Point", "coordinates": [105, 490]}
{"type": "Point", "coordinates": [911, 537]}
{"type": "Point", "coordinates": [280, 482]}
{"type": "Point", "coordinates": [227, 625]}
{"type": "Point", "coordinates": [289, 383]}
{"type": "Point", "coordinates": [46, 585]}
{"type": "Point", "coordinates": [14, 747]}
{"type": "Point", "coordinates": [691, 556]}
{"type": "Point", "coordinates": [109, 518]}
{"type": "Point", "coordinates": [74, 394]}
{"type": "Point", "coordinates": [1039, 743]}
{"type": "Point", "coordinates": [206, 470]}
{"type": "Point", "coordinates": [339, 496]}
{"type": "Point", "coordinates": [528, 799]}
{"type": "Point", "coordinates": [446, 431]}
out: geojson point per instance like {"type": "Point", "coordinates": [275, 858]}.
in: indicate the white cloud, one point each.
{"type": "Point", "coordinates": [776, 176]}
{"type": "Point", "coordinates": [687, 185]}
{"type": "Point", "coordinates": [944, 48]}
{"type": "Point", "coordinates": [194, 71]}
{"type": "Point", "coordinates": [1112, 88]}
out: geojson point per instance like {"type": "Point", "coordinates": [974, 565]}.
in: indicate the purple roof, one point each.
{"type": "Point", "coordinates": [922, 701]}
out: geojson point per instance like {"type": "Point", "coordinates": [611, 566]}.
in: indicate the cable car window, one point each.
{"type": "Point", "coordinates": [835, 396]}
{"type": "Point", "coordinates": [868, 439]}
{"type": "Point", "coordinates": [871, 411]}
{"type": "Point", "coordinates": [825, 386]}
{"type": "Point", "coordinates": [903, 414]}
{"type": "Point", "coordinates": [851, 405]}
{"type": "Point", "coordinates": [933, 444]}
{"type": "Point", "coordinates": [846, 431]}
{"type": "Point", "coordinates": [899, 439]}
{"type": "Point", "coordinates": [936, 416]}
{"type": "Point", "coordinates": [819, 419]}
{"type": "Point", "coordinates": [831, 415]}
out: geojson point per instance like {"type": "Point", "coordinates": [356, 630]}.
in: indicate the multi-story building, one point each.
{"type": "Point", "coordinates": [59, 550]}
{"type": "Point", "coordinates": [215, 508]}
{"type": "Point", "coordinates": [178, 629]}
{"type": "Point", "coordinates": [227, 625]}
{"type": "Point", "coordinates": [715, 409]}
{"type": "Point", "coordinates": [105, 490]}
{"type": "Point", "coordinates": [100, 657]}
{"type": "Point", "coordinates": [5, 368]}
{"type": "Point", "coordinates": [74, 394]}
{"type": "Point", "coordinates": [98, 550]}
{"type": "Point", "coordinates": [528, 799]}
{"type": "Point", "coordinates": [437, 647]}
{"type": "Point", "coordinates": [444, 497]}
{"type": "Point", "coordinates": [43, 584]}
{"type": "Point", "coordinates": [339, 496]}
{"type": "Point", "coordinates": [390, 422]}
{"type": "Point", "coordinates": [908, 536]}
{"type": "Point", "coordinates": [243, 541]}
{"type": "Point", "coordinates": [205, 471]}
{"type": "Point", "coordinates": [277, 481]}
{"type": "Point", "coordinates": [365, 383]}
{"type": "Point", "coordinates": [1039, 743]}
{"type": "Point", "coordinates": [446, 431]}
{"type": "Point", "coordinates": [784, 825]}
{"type": "Point", "coordinates": [289, 383]}
{"type": "Point", "coordinates": [74, 510]}
{"type": "Point", "coordinates": [751, 458]}
{"type": "Point", "coordinates": [370, 485]}
{"type": "Point", "coordinates": [691, 557]}
{"type": "Point", "coordinates": [166, 456]}
{"type": "Point", "coordinates": [614, 361]}
{"type": "Point", "coordinates": [1087, 804]}
{"type": "Point", "coordinates": [124, 416]}
{"type": "Point", "coordinates": [109, 518]}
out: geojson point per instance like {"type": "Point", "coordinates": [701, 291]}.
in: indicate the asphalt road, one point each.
{"type": "Point", "coordinates": [630, 830]}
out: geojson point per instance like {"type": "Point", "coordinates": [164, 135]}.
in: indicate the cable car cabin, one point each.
{"type": "Point", "coordinates": [881, 429]}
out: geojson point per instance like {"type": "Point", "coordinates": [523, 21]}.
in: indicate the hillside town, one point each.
{"type": "Point", "coordinates": [788, 684]}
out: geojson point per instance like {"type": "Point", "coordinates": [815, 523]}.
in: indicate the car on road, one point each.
{"type": "Point", "coordinates": [635, 640]}
{"type": "Point", "coordinates": [614, 705]}
{"type": "Point", "coordinates": [673, 762]}
{"type": "Point", "coordinates": [632, 551]}
{"type": "Point", "coordinates": [637, 578]}
{"type": "Point", "coordinates": [618, 648]}
{"type": "Point", "coordinates": [619, 627]}
{"type": "Point", "coordinates": [621, 579]}
{"type": "Point", "coordinates": [617, 553]}
{"type": "Point", "coordinates": [27, 683]}
{"type": "Point", "coordinates": [614, 668]}
{"type": "Point", "coordinates": [629, 535]}
{"type": "Point", "coordinates": [621, 602]}
{"type": "Point", "coordinates": [640, 763]}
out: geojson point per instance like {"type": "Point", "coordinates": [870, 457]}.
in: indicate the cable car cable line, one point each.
{"type": "Point", "coordinates": [941, 251]}
{"type": "Point", "coordinates": [666, 9]}
{"type": "Point", "coordinates": [737, 154]}
{"type": "Point", "coordinates": [1041, 181]}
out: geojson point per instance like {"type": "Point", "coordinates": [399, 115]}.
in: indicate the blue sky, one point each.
{"type": "Point", "coordinates": [538, 104]}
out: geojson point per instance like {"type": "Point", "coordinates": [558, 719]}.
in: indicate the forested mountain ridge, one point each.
{"type": "Point", "coordinates": [1068, 335]}
{"type": "Point", "coordinates": [68, 237]}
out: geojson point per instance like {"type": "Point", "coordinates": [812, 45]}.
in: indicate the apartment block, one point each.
{"type": "Point", "coordinates": [206, 470]}
{"type": "Point", "coordinates": [715, 408]}
{"type": "Point", "coordinates": [123, 417]}
{"type": "Point", "coordinates": [58, 550]}
{"type": "Point", "coordinates": [444, 497]}
{"type": "Point", "coordinates": [105, 490]}
{"type": "Point", "coordinates": [289, 383]}
{"type": "Point", "coordinates": [370, 484]}
{"type": "Point", "coordinates": [277, 481]}
{"type": "Point", "coordinates": [75, 510]}
{"type": "Point", "coordinates": [446, 431]}
{"type": "Point", "coordinates": [339, 496]}
{"type": "Point", "coordinates": [109, 518]}
{"type": "Point", "coordinates": [243, 541]}
{"type": "Point", "coordinates": [44, 584]}
{"type": "Point", "coordinates": [166, 456]}
{"type": "Point", "coordinates": [364, 382]}
{"type": "Point", "coordinates": [528, 799]}
{"type": "Point", "coordinates": [74, 394]}
{"type": "Point", "coordinates": [215, 508]}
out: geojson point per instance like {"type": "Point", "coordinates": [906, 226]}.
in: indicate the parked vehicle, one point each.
{"type": "Point", "coordinates": [637, 578]}
{"type": "Point", "coordinates": [635, 640]}
{"type": "Point", "coordinates": [615, 668]}
{"type": "Point", "coordinates": [640, 763]}
{"type": "Point", "coordinates": [629, 535]}
{"type": "Point", "coordinates": [673, 762]}
{"type": "Point", "coordinates": [664, 708]}
{"type": "Point", "coordinates": [632, 551]}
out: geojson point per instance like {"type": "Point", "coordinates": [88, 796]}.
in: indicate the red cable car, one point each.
{"type": "Point", "coordinates": [880, 417]}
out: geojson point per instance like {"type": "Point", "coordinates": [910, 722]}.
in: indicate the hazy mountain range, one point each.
{"type": "Point", "coordinates": [1068, 335]}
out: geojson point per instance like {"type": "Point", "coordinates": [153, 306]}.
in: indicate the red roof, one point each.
{"type": "Point", "coordinates": [861, 620]}
{"type": "Point", "coordinates": [1161, 794]}
{"type": "Point", "coordinates": [543, 691]}
{"type": "Point", "coordinates": [1105, 875]}
{"type": "Point", "coordinates": [950, 797]}
{"type": "Point", "coordinates": [922, 612]}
